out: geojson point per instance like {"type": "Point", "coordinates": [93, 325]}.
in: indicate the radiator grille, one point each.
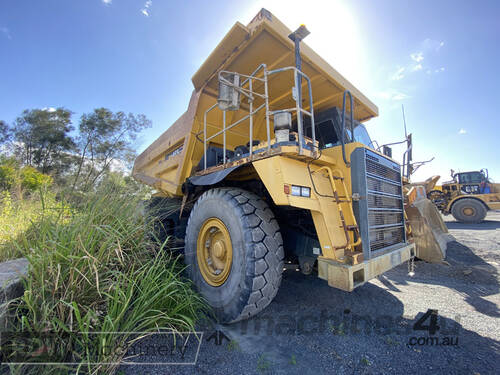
{"type": "Point", "coordinates": [381, 214]}
{"type": "Point", "coordinates": [385, 205]}
{"type": "Point", "coordinates": [379, 239]}
{"type": "Point", "coordinates": [373, 167]}
{"type": "Point", "coordinates": [377, 218]}
{"type": "Point", "coordinates": [380, 186]}
{"type": "Point", "coordinates": [382, 201]}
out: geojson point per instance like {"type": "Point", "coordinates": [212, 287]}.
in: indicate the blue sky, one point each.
{"type": "Point", "coordinates": [440, 59]}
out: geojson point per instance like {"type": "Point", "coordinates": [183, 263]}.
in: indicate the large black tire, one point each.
{"type": "Point", "coordinates": [468, 210]}
{"type": "Point", "coordinates": [257, 246]}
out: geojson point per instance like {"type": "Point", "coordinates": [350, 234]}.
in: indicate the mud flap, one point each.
{"type": "Point", "coordinates": [428, 230]}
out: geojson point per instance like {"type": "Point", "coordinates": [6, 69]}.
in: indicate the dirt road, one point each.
{"type": "Point", "coordinates": [311, 328]}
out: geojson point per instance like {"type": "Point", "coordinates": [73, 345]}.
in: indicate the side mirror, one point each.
{"type": "Point", "coordinates": [387, 151]}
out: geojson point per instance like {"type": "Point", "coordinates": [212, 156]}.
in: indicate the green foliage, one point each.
{"type": "Point", "coordinates": [33, 180]}
{"type": "Point", "coordinates": [8, 176]}
{"type": "Point", "coordinates": [94, 268]}
{"type": "Point", "coordinates": [233, 345]}
{"type": "Point", "coordinates": [17, 216]}
{"type": "Point", "coordinates": [293, 360]}
{"type": "Point", "coordinates": [105, 138]}
{"type": "Point", "coordinates": [364, 361]}
{"type": "Point", "coordinates": [4, 132]}
{"type": "Point", "coordinates": [43, 138]}
{"type": "Point", "coordinates": [263, 364]}
{"type": "Point", "coordinates": [21, 179]}
{"type": "Point", "coordinates": [340, 330]}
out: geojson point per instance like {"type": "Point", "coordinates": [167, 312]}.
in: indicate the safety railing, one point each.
{"type": "Point", "coordinates": [247, 89]}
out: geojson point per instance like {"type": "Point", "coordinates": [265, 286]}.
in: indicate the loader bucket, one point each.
{"type": "Point", "coordinates": [427, 228]}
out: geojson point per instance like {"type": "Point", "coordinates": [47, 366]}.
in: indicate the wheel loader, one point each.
{"type": "Point", "coordinates": [468, 196]}
{"type": "Point", "coordinates": [270, 164]}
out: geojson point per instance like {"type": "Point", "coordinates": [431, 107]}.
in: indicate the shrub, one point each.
{"type": "Point", "coordinates": [98, 271]}
{"type": "Point", "coordinates": [7, 177]}
{"type": "Point", "coordinates": [21, 179]}
{"type": "Point", "coordinates": [33, 180]}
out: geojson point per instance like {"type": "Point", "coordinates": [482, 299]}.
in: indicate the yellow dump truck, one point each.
{"type": "Point", "coordinates": [271, 162]}
{"type": "Point", "coordinates": [468, 196]}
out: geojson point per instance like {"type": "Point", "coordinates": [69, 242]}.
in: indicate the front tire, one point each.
{"type": "Point", "coordinates": [468, 210]}
{"type": "Point", "coordinates": [234, 252]}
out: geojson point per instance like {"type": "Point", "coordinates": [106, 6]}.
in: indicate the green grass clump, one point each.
{"type": "Point", "coordinates": [95, 269]}
{"type": "Point", "coordinates": [17, 216]}
{"type": "Point", "coordinates": [263, 364]}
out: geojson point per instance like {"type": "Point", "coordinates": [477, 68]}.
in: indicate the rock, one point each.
{"type": "Point", "coordinates": [11, 274]}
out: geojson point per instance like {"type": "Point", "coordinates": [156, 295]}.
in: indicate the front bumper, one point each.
{"type": "Point", "coordinates": [347, 277]}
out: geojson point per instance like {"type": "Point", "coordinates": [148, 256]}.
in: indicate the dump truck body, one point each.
{"type": "Point", "coordinates": [173, 157]}
{"type": "Point", "coordinates": [269, 163]}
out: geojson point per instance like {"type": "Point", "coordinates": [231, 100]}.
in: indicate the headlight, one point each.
{"type": "Point", "coordinates": [300, 191]}
{"type": "Point", "coordinates": [296, 190]}
{"type": "Point", "coordinates": [305, 192]}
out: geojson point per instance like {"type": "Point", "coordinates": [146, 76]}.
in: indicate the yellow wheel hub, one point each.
{"type": "Point", "coordinates": [214, 252]}
{"type": "Point", "coordinates": [468, 211]}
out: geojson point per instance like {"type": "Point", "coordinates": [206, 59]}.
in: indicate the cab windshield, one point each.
{"type": "Point", "coordinates": [361, 135]}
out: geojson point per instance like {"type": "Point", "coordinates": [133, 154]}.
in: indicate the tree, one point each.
{"type": "Point", "coordinates": [4, 132]}
{"type": "Point", "coordinates": [105, 140]}
{"type": "Point", "coordinates": [42, 139]}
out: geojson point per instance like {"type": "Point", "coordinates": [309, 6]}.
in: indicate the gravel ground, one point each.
{"type": "Point", "coordinates": [312, 328]}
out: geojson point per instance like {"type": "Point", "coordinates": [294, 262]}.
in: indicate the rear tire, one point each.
{"type": "Point", "coordinates": [256, 260]}
{"type": "Point", "coordinates": [468, 210]}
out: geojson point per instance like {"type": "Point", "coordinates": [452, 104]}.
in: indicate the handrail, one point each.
{"type": "Point", "coordinates": [299, 108]}
{"type": "Point", "coordinates": [348, 164]}
{"type": "Point", "coordinates": [407, 172]}
{"type": "Point", "coordinates": [249, 93]}
{"type": "Point", "coordinates": [392, 144]}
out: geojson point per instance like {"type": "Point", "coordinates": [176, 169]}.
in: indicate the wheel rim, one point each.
{"type": "Point", "coordinates": [469, 211]}
{"type": "Point", "coordinates": [214, 252]}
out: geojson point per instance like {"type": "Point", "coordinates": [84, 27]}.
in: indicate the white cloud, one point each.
{"type": "Point", "coordinates": [462, 131]}
{"type": "Point", "coordinates": [49, 109]}
{"type": "Point", "coordinates": [427, 46]}
{"type": "Point", "coordinates": [107, 2]}
{"type": "Point", "coordinates": [431, 44]}
{"type": "Point", "coordinates": [145, 10]}
{"type": "Point", "coordinates": [399, 96]}
{"type": "Point", "coordinates": [392, 95]}
{"type": "Point", "coordinates": [398, 75]}
{"type": "Point", "coordinates": [417, 56]}
{"type": "Point", "coordinates": [6, 32]}
{"type": "Point", "coordinates": [435, 71]}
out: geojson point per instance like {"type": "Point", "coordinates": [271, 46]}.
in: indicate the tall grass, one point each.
{"type": "Point", "coordinates": [95, 269]}
{"type": "Point", "coordinates": [16, 216]}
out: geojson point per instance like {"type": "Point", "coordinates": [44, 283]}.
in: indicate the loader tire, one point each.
{"type": "Point", "coordinates": [235, 222]}
{"type": "Point", "coordinates": [468, 210]}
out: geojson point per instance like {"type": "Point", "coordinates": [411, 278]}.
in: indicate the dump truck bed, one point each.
{"type": "Point", "coordinates": [174, 157]}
